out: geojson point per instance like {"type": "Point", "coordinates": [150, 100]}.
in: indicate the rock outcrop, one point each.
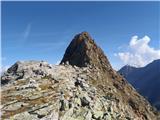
{"type": "Point", "coordinates": [83, 51]}
{"type": "Point", "coordinates": [83, 87]}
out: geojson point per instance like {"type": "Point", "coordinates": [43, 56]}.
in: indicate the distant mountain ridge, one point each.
{"type": "Point", "coordinates": [146, 80]}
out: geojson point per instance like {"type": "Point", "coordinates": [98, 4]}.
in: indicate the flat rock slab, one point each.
{"type": "Point", "coordinates": [14, 106]}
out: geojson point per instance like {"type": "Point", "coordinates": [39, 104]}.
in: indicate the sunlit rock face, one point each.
{"type": "Point", "coordinates": [83, 87]}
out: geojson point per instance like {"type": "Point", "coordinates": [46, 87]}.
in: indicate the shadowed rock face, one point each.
{"type": "Point", "coordinates": [85, 89]}
{"type": "Point", "coordinates": [83, 51]}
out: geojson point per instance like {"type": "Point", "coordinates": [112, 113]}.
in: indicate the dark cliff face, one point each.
{"type": "Point", "coordinates": [83, 51]}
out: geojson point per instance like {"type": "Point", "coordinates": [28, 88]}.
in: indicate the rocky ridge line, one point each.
{"type": "Point", "coordinates": [84, 88]}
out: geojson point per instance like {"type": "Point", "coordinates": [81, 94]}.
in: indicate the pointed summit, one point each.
{"type": "Point", "coordinates": [83, 51]}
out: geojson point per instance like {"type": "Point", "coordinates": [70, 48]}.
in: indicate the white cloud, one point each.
{"type": "Point", "coordinates": [139, 53]}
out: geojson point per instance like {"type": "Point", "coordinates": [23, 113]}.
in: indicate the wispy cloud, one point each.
{"type": "Point", "coordinates": [2, 58]}
{"type": "Point", "coordinates": [3, 69]}
{"type": "Point", "coordinates": [139, 52]}
{"type": "Point", "coordinates": [27, 31]}
{"type": "Point", "coordinates": [58, 62]}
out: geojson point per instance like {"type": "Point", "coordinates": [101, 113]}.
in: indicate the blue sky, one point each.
{"type": "Point", "coordinates": [43, 30]}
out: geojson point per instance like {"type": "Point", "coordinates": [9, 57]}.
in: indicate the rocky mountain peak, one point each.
{"type": "Point", "coordinates": [83, 51]}
{"type": "Point", "coordinates": [85, 89]}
